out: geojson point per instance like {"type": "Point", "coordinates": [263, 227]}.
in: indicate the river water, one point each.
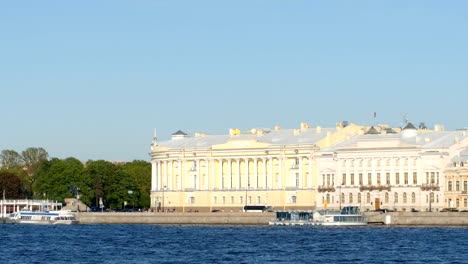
{"type": "Point", "coordinates": [231, 244]}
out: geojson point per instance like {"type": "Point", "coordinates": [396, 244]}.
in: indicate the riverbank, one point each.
{"type": "Point", "coordinates": [199, 218]}
{"type": "Point", "coordinates": [240, 218]}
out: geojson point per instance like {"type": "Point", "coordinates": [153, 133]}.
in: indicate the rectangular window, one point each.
{"type": "Point", "coordinates": [323, 179]}
{"type": "Point", "coordinates": [465, 203]}
{"type": "Point", "coordinates": [352, 178]}
{"type": "Point", "coordinates": [397, 178]}
{"type": "Point", "coordinates": [388, 177]}
{"type": "Point", "coordinates": [432, 177]}
{"type": "Point", "coordinates": [241, 199]}
{"type": "Point", "coordinates": [457, 186]}
{"type": "Point", "coordinates": [465, 186]}
{"type": "Point", "coordinates": [406, 178]}
{"type": "Point", "coordinates": [328, 179]}
{"type": "Point", "coordinates": [249, 201]}
{"type": "Point", "coordinates": [259, 200]}
{"type": "Point", "coordinates": [297, 180]}
{"type": "Point", "coordinates": [415, 178]}
{"type": "Point", "coordinates": [224, 200]}
{"type": "Point", "coordinates": [192, 200]}
{"type": "Point", "coordinates": [427, 177]}
{"type": "Point", "coordinates": [215, 200]}
{"type": "Point", "coordinates": [344, 179]}
{"type": "Point", "coordinates": [378, 179]}
{"type": "Point", "coordinates": [450, 186]}
{"type": "Point", "coordinates": [369, 178]}
{"type": "Point", "coordinates": [360, 178]}
{"type": "Point", "coordinates": [232, 199]}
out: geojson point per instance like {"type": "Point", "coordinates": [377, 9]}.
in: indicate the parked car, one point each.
{"type": "Point", "coordinates": [449, 210]}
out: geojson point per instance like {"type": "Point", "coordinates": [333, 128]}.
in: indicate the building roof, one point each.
{"type": "Point", "coordinates": [409, 126]}
{"type": "Point", "coordinates": [273, 137]}
{"type": "Point", "coordinates": [427, 140]}
{"type": "Point", "coordinates": [179, 133]}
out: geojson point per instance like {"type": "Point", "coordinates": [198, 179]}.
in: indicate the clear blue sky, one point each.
{"type": "Point", "coordinates": [92, 79]}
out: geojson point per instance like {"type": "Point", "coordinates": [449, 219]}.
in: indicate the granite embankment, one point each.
{"type": "Point", "coordinates": [218, 218]}
{"type": "Point", "coordinates": [239, 218]}
{"type": "Point", "coordinates": [419, 218]}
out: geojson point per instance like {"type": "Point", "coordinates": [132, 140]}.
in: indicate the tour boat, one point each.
{"type": "Point", "coordinates": [62, 217]}
{"type": "Point", "coordinates": [348, 216]}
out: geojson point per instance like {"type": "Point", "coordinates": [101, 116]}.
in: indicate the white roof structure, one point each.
{"type": "Point", "coordinates": [274, 137]}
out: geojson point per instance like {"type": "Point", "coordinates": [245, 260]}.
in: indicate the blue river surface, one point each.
{"type": "Point", "coordinates": [231, 244]}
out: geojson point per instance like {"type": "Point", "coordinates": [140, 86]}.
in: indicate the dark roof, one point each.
{"type": "Point", "coordinates": [389, 130]}
{"type": "Point", "coordinates": [178, 133]}
{"type": "Point", "coordinates": [409, 126]}
{"type": "Point", "coordinates": [372, 131]}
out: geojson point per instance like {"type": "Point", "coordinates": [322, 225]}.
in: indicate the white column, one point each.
{"type": "Point", "coordinates": [309, 179]}
{"type": "Point", "coordinates": [270, 179]}
{"type": "Point", "coordinates": [153, 175]}
{"type": "Point", "coordinates": [230, 174]}
{"type": "Point", "coordinates": [159, 174]}
{"type": "Point", "coordinates": [280, 173]}
{"type": "Point", "coordinates": [207, 177]}
{"type": "Point", "coordinates": [213, 174]}
{"type": "Point", "coordinates": [170, 176]}
{"type": "Point", "coordinates": [164, 180]}
{"type": "Point", "coordinates": [256, 173]}
{"type": "Point", "coordinates": [197, 162]}
{"type": "Point", "coordinates": [265, 180]}
{"type": "Point", "coordinates": [238, 174]}
{"type": "Point", "coordinates": [300, 173]}
{"type": "Point", "coordinates": [247, 178]}
{"type": "Point", "coordinates": [222, 183]}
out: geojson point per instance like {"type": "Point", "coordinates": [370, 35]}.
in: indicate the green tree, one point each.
{"type": "Point", "coordinates": [11, 184]}
{"type": "Point", "coordinates": [140, 173]}
{"type": "Point", "coordinates": [55, 177]}
{"type": "Point", "coordinates": [10, 159]}
{"type": "Point", "coordinates": [33, 159]}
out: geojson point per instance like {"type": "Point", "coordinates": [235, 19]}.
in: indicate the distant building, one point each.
{"type": "Point", "coordinates": [225, 172]}
{"type": "Point", "coordinates": [306, 168]}
{"type": "Point", "coordinates": [396, 171]}
{"type": "Point", "coordinates": [456, 182]}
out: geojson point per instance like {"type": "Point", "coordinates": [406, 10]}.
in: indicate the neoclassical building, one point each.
{"type": "Point", "coordinates": [225, 172]}
{"type": "Point", "coordinates": [312, 167]}
{"type": "Point", "coordinates": [391, 169]}
{"type": "Point", "coordinates": [456, 183]}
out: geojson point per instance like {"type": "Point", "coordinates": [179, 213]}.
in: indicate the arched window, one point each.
{"type": "Point", "coordinates": [359, 197]}
{"type": "Point", "coordinates": [342, 198]}
{"type": "Point", "coordinates": [413, 198]}
{"type": "Point", "coordinates": [404, 198]}
{"type": "Point", "coordinates": [350, 198]}
{"type": "Point", "coordinates": [386, 197]}
{"type": "Point", "coordinates": [395, 198]}
{"type": "Point", "coordinates": [368, 198]}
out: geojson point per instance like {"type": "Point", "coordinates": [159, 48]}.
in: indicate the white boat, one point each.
{"type": "Point", "coordinates": [62, 217]}
{"type": "Point", "coordinates": [348, 216]}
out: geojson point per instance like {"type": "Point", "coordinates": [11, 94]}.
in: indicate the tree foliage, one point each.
{"type": "Point", "coordinates": [10, 159]}
{"type": "Point", "coordinates": [57, 179]}
{"type": "Point", "coordinates": [11, 184]}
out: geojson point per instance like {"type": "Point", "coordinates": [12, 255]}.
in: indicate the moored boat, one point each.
{"type": "Point", "coordinates": [62, 217]}
{"type": "Point", "coordinates": [348, 216]}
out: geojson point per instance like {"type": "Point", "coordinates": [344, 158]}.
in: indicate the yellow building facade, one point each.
{"type": "Point", "coordinates": [226, 172]}
{"type": "Point", "coordinates": [456, 193]}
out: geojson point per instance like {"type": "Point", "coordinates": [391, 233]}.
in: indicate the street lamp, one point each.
{"type": "Point", "coordinates": [164, 188]}
{"type": "Point", "coordinates": [246, 189]}
{"type": "Point", "coordinates": [339, 195]}
{"type": "Point", "coordinates": [130, 192]}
